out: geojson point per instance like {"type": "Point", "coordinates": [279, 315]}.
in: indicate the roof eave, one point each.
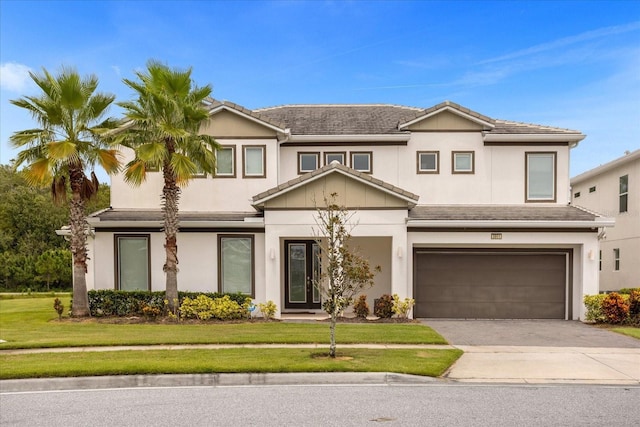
{"type": "Point", "coordinates": [394, 137]}
{"type": "Point", "coordinates": [572, 138]}
{"type": "Point", "coordinates": [606, 167]}
{"type": "Point", "coordinates": [596, 223]}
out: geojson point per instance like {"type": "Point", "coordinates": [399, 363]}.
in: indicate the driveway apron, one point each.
{"type": "Point", "coordinates": [539, 351]}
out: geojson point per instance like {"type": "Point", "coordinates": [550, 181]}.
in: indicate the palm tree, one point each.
{"type": "Point", "coordinates": [164, 121]}
{"type": "Point", "coordinates": [68, 140]}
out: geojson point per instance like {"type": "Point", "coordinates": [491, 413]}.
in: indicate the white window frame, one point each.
{"type": "Point", "coordinates": [435, 170]}
{"type": "Point", "coordinates": [369, 156]}
{"type": "Point", "coordinates": [454, 163]}
{"type": "Point", "coordinates": [307, 154]}
{"type": "Point", "coordinates": [261, 174]}
{"type": "Point", "coordinates": [554, 170]}
{"type": "Point", "coordinates": [342, 154]}
{"type": "Point", "coordinates": [232, 148]}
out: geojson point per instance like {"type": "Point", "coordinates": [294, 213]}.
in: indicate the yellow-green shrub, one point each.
{"type": "Point", "coordinates": [594, 308]}
{"type": "Point", "coordinates": [205, 308]}
{"type": "Point", "coordinates": [268, 309]}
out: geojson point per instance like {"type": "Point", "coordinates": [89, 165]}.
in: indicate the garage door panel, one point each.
{"type": "Point", "coordinates": [490, 285]}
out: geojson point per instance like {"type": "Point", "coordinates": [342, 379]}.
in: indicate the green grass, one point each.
{"type": "Point", "coordinates": [628, 330]}
{"type": "Point", "coordinates": [32, 323]}
{"type": "Point", "coordinates": [416, 362]}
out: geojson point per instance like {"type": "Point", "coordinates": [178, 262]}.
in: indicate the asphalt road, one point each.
{"type": "Point", "coordinates": [439, 404]}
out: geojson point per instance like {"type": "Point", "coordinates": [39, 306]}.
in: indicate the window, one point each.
{"type": "Point", "coordinates": [600, 260]}
{"type": "Point", "coordinates": [616, 259]}
{"type": "Point", "coordinates": [235, 264]}
{"type": "Point", "coordinates": [428, 162]}
{"type": "Point", "coordinates": [308, 162]}
{"type": "Point", "coordinates": [132, 262]}
{"type": "Point", "coordinates": [330, 157]}
{"type": "Point", "coordinates": [624, 192]}
{"type": "Point", "coordinates": [576, 195]}
{"type": "Point", "coordinates": [226, 162]}
{"type": "Point", "coordinates": [541, 177]}
{"type": "Point", "coordinates": [462, 162]}
{"type": "Point", "coordinates": [253, 159]}
{"type": "Point", "coordinates": [592, 189]}
{"type": "Point", "coordinates": [361, 161]}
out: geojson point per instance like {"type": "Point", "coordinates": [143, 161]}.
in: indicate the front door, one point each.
{"type": "Point", "coordinates": [302, 268]}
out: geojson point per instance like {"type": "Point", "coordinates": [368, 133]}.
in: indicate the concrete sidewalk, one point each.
{"type": "Point", "coordinates": [535, 365]}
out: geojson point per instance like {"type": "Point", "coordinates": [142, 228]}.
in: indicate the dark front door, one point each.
{"type": "Point", "coordinates": [302, 268]}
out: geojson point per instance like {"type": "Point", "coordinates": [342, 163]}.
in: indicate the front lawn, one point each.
{"type": "Point", "coordinates": [628, 330]}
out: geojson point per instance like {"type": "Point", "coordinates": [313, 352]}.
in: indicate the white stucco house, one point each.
{"type": "Point", "coordinates": [613, 189]}
{"type": "Point", "coordinates": [467, 214]}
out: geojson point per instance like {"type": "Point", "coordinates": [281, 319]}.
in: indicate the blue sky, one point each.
{"type": "Point", "coordinates": [569, 64]}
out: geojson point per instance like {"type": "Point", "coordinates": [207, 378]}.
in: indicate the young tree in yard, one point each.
{"type": "Point", "coordinates": [164, 121]}
{"type": "Point", "coordinates": [344, 272]}
{"type": "Point", "coordinates": [70, 114]}
{"type": "Point", "coordinates": [53, 266]}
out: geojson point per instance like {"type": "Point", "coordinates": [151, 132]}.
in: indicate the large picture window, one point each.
{"type": "Point", "coordinates": [226, 162]}
{"type": "Point", "coordinates": [253, 158]}
{"type": "Point", "coordinates": [132, 263]}
{"type": "Point", "coordinates": [236, 264]}
{"type": "Point", "coordinates": [541, 177]}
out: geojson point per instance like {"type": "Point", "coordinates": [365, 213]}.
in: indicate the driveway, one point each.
{"type": "Point", "coordinates": [544, 333]}
{"type": "Point", "coordinates": [539, 351]}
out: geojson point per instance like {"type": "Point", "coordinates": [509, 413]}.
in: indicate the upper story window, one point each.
{"type": "Point", "coordinates": [462, 162]}
{"type": "Point", "coordinates": [361, 161]}
{"type": "Point", "coordinates": [253, 160]}
{"type": "Point", "coordinates": [226, 162]}
{"type": "Point", "coordinates": [308, 162]}
{"type": "Point", "coordinates": [428, 162]}
{"type": "Point", "coordinates": [616, 259]}
{"type": "Point", "coordinates": [576, 195]}
{"type": "Point", "coordinates": [541, 177]}
{"type": "Point", "coordinates": [592, 189]}
{"type": "Point", "coordinates": [624, 193]}
{"type": "Point", "coordinates": [330, 157]}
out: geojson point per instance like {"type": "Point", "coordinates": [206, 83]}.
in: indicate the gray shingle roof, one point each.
{"type": "Point", "coordinates": [326, 169]}
{"type": "Point", "coordinates": [156, 215]}
{"type": "Point", "coordinates": [499, 213]}
{"type": "Point", "coordinates": [370, 119]}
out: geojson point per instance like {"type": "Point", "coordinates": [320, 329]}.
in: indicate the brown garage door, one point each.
{"type": "Point", "coordinates": [490, 285]}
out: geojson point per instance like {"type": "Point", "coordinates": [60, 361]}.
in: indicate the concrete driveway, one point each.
{"type": "Point", "coordinates": [539, 351]}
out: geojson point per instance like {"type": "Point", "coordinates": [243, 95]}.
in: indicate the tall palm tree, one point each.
{"type": "Point", "coordinates": [163, 131]}
{"type": "Point", "coordinates": [70, 114]}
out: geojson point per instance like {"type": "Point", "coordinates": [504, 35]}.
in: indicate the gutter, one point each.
{"type": "Point", "coordinates": [597, 223]}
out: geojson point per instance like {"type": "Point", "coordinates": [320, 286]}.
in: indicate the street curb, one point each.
{"type": "Point", "coordinates": [209, 380]}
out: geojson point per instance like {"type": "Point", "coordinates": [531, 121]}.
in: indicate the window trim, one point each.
{"type": "Point", "coordinates": [624, 195]}
{"type": "Point", "coordinates": [310, 153]}
{"type": "Point", "coordinates": [233, 162]}
{"type": "Point", "coordinates": [419, 170]}
{"type": "Point", "coordinates": [473, 162]}
{"type": "Point", "coordinates": [616, 259]}
{"type": "Point", "coordinates": [253, 260]}
{"type": "Point", "coordinates": [554, 154]}
{"type": "Point", "coordinates": [116, 258]}
{"type": "Point", "coordinates": [328, 153]}
{"type": "Point", "coordinates": [368, 153]}
{"type": "Point", "coordinates": [264, 161]}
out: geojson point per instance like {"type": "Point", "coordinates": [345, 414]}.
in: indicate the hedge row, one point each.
{"type": "Point", "coordinates": [614, 308]}
{"type": "Point", "coordinates": [106, 303]}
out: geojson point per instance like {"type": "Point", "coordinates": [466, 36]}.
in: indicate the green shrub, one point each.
{"type": "Point", "coordinates": [594, 308]}
{"type": "Point", "coordinates": [383, 306]}
{"type": "Point", "coordinates": [58, 307]}
{"type": "Point", "coordinates": [615, 308]}
{"type": "Point", "coordinates": [402, 307]}
{"type": "Point", "coordinates": [634, 306]}
{"type": "Point", "coordinates": [222, 308]}
{"type": "Point", "coordinates": [268, 309]}
{"type": "Point", "coordinates": [627, 291]}
{"type": "Point", "coordinates": [361, 308]}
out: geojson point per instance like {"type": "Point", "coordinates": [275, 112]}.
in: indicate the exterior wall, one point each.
{"type": "Point", "coordinates": [201, 194]}
{"type": "Point", "coordinates": [626, 233]}
{"type": "Point", "coordinates": [584, 269]}
{"type": "Point", "coordinates": [197, 253]}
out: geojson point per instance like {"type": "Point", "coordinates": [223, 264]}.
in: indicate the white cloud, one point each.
{"type": "Point", "coordinates": [116, 69]}
{"type": "Point", "coordinates": [14, 77]}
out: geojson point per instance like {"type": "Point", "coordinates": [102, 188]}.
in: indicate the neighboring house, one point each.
{"type": "Point", "coordinates": [467, 214]}
{"type": "Point", "coordinates": [613, 189]}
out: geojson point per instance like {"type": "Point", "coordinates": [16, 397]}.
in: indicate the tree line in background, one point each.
{"type": "Point", "coordinates": [32, 256]}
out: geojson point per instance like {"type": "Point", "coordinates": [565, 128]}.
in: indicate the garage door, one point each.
{"type": "Point", "coordinates": [490, 285]}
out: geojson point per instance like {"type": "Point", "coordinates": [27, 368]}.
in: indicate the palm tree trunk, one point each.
{"type": "Point", "coordinates": [170, 198]}
{"type": "Point", "coordinates": [80, 307]}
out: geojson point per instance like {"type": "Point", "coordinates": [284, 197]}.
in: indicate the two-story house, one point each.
{"type": "Point", "coordinates": [613, 189]}
{"type": "Point", "coordinates": [467, 214]}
